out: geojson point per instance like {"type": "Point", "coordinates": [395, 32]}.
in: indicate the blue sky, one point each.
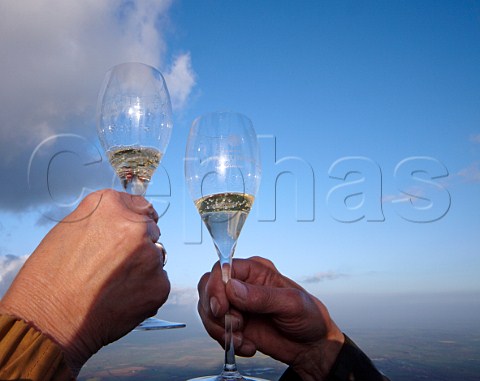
{"type": "Point", "coordinates": [342, 93]}
{"type": "Point", "coordinates": [331, 80]}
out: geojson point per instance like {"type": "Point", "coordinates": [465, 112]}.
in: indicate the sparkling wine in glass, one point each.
{"type": "Point", "coordinates": [134, 124]}
{"type": "Point", "coordinates": [222, 171]}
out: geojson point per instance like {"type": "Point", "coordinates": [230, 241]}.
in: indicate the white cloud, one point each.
{"type": "Point", "coordinates": [183, 296]}
{"type": "Point", "coordinates": [475, 138]}
{"type": "Point", "coordinates": [321, 277]}
{"type": "Point", "coordinates": [471, 173]}
{"type": "Point", "coordinates": [413, 192]}
{"type": "Point", "coordinates": [180, 80]}
{"type": "Point", "coordinates": [9, 267]}
{"type": "Point", "coordinates": [54, 56]}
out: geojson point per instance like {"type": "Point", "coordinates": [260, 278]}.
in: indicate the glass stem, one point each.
{"type": "Point", "coordinates": [230, 367]}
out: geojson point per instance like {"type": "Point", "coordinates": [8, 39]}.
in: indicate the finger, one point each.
{"type": "Point", "coordinates": [213, 303]}
{"type": "Point", "coordinates": [153, 231]}
{"type": "Point", "coordinates": [260, 271]}
{"type": "Point", "coordinates": [265, 300]}
{"type": "Point", "coordinates": [208, 297]}
{"type": "Point", "coordinates": [157, 292]}
{"type": "Point", "coordinates": [245, 269]}
{"type": "Point", "coordinates": [214, 300]}
{"type": "Point", "coordinates": [263, 261]}
{"type": "Point", "coordinates": [209, 318]}
{"type": "Point", "coordinates": [246, 348]}
{"type": "Point", "coordinates": [211, 290]}
{"type": "Point", "coordinates": [163, 288]}
{"type": "Point", "coordinates": [212, 325]}
{"type": "Point", "coordinates": [140, 205]}
{"type": "Point", "coordinates": [215, 327]}
{"type": "Point", "coordinates": [151, 257]}
{"type": "Point", "coordinates": [148, 282]}
{"type": "Point", "coordinates": [204, 300]}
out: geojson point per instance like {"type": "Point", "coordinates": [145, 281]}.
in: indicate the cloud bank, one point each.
{"type": "Point", "coordinates": [9, 267]}
{"type": "Point", "coordinates": [183, 296]}
{"type": "Point", "coordinates": [54, 56]}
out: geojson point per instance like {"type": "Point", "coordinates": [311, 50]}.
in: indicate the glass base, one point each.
{"type": "Point", "coordinates": [228, 376]}
{"type": "Point", "coordinates": [152, 324]}
{"type": "Point", "coordinates": [219, 378]}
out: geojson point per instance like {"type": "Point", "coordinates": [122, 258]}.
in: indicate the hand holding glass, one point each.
{"type": "Point", "coordinates": [134, 124]}
{"type": "Point", "coordinates": [222, 171]}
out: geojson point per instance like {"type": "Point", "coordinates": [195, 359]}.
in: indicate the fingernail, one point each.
{"type": "Point", "coordinates": [235, 323]}
{"type": "Point", "coordinates": [239, 289]}
{"type": "Point", "coordinates": [214, 305]}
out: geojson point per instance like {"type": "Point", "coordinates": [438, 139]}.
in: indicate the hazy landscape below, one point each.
{"type": "Point", "coordinates": [436, 338]}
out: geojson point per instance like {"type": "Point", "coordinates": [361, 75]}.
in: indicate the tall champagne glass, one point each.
{"type": "Point", "coordinates": [222, 170]}
{"type": "Point", "coordinates": [134, 124]}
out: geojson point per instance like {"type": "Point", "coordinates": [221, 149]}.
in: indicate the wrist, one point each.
{"type": "Point", "coordinates": [353, 364]}
{"type": "Point", "coordinates": [315, 363]}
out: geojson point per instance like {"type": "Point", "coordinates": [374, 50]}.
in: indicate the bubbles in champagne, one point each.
{"type": "Point", "coordinates": [224, 215]}
{"type": "Point", "coordinates": [225, 202]}
{"type": "Point", "coordinates": [134, 166]}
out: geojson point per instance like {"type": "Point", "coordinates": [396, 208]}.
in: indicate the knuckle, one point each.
{"type": "Point", "coordinates": [216, 266]}
{"type": "Point", "coordinates": [265, 262]}
{"type": "Point", "coordinates": [295, 301]}
{"type": "Point", "coordinates": [202, 282]}
{"type": "Point", "coordinates": [109, 195]}
{"type": "Point", "coordinates": [100, 198]}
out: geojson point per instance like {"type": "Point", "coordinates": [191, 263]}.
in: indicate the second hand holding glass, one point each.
{"type": "Point", "coordinates": [134, 124]}
{"type": "Point", "coordinates": [222, 170]}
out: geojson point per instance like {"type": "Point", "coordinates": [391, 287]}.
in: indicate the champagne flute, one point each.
{"type": "Point", "coordinates": [222, 171]}
{"type": "Point", "coordinates": [134, 124]}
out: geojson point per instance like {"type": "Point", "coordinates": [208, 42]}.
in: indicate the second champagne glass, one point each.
{"type": "Point", "coordinates": [134, 124]}
{"type": "Point", "coordinates": [222, 171]}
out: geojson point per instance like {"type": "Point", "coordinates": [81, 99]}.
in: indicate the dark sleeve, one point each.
{"type": "Point", "coordinates": [351, 365]}
{"type": "Point", "coordinates": [290, 375]}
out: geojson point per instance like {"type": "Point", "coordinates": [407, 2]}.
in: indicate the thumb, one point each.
{"type": "Point", "coordinates": [264, 299]}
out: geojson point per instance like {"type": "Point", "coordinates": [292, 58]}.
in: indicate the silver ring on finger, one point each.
{"type": "Point", "coordinates": [164, 252]}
